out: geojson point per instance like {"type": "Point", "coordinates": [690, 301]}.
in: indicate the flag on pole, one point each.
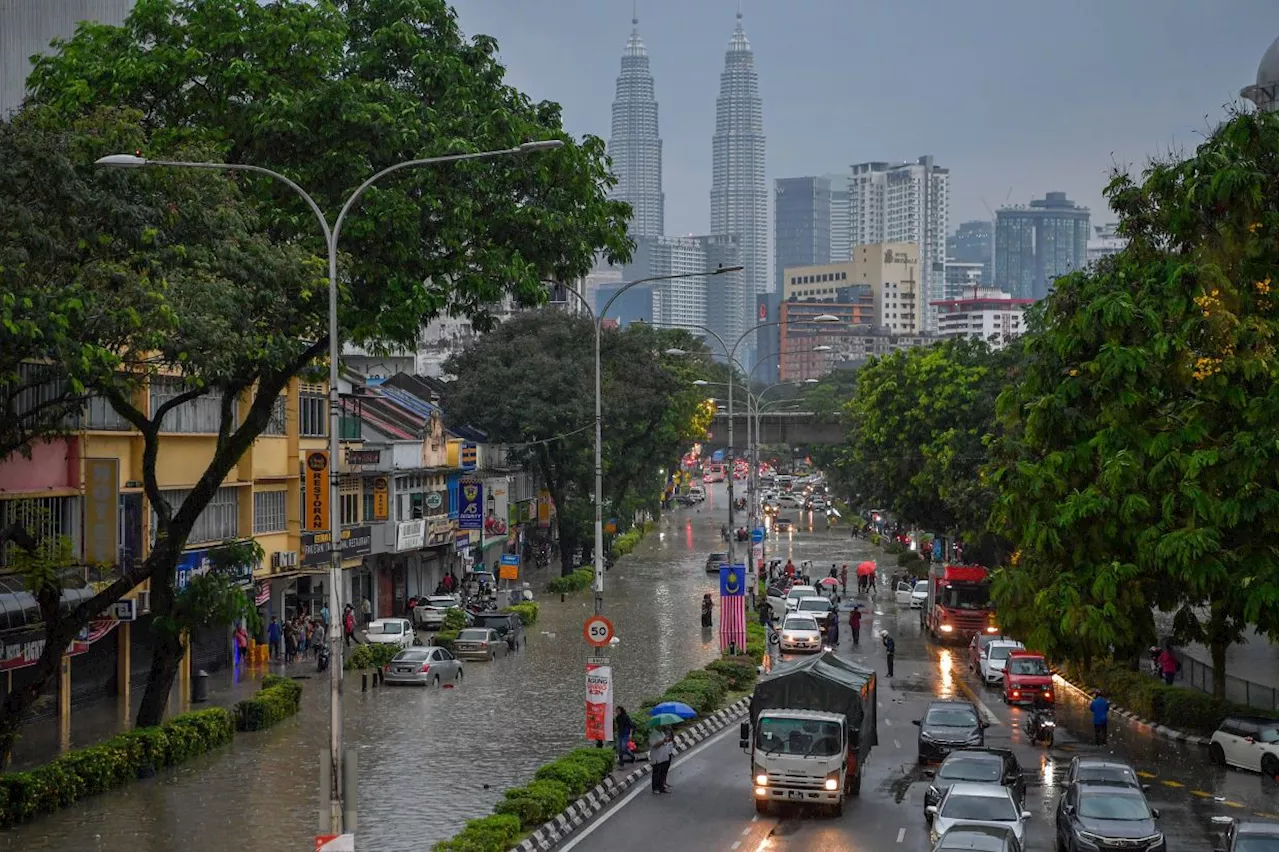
{"type": "Point", "coordinates": [733, 607]}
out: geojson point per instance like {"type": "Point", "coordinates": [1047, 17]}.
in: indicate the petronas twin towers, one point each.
{"type": "Point", "coordinates": [739, 202]}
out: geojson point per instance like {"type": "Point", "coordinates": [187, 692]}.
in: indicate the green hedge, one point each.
{"type": "Point", "coordinates": [575, 582]}
{"type": "Point", "coordinates": [528, 612]}
{"type": "Point", "coordinates": [445, 639]}
{"type": "Point", "coordinates": [454, 620]}
{"type": "Point", "coordinates": [111, 764]}
{"type": "Point", "coordinates": [1173, 706]}
{"type": "Point", "coordinates": [875, 538]}
{"type": "Point", "coordinates": [757, 639]}
{"type": "Point", "coordinates": [739, 672]}
{"type": "Point", "coordinates": [278, 699]}
{"type": "Point", "coordinates": [627, 541]}
{"type": "Point", "coordinates": [369, 656]}
{"type": "Point", "coordinates": [495, 833]}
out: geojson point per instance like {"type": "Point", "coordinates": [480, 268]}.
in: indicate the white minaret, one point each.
{"type": "Point", "coordinates": [634, 146]}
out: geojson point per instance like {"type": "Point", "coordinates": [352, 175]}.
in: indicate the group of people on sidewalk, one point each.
{"type": "Point", "coordinates": [305, 632]}
{"type": "Point", "coordinates": [661, 748]}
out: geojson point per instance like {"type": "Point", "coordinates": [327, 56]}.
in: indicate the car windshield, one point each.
{"type": "Point", "coordinates": [473, 635]}
{"type": "Point", "coordinates": [1029, 666]}
{"type": "Point", "coordinates": [1268, 735]}
{"type": "Point", "coordinates": [1110, 805]}
{"type": "Point", "coordinates": [922, 587]}
{"type": "Point", "coordinates": [800, 624]}
{"type": "Point", "coordinates": [390, 628]}
{"type": "Point", "coordinates": [798, 736]}
{"type": "Point", "coordinates": [967, 597]}
{"type": "Point", "coordinates": [980, 808]}
{"type": "Point", "coordinates": [971, 769]}
{"type": "Point", "coordinates": [798, 592]}
{"type": "Point", "coordinates": [951, 717]}
{"type": "Point", "coordinates": [411, 656]}
{"type": "Point", "coordinates": [815, 606]}
{"type": "Point", "coordinates": [1000, 652]}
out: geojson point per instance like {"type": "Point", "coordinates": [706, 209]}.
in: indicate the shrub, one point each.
{"type": "Point", "coordinates": [575, 582]}
{"type": "Point", "coordinates": [454, 620]}
{"type": "Point", "coordinates": [625, 542]}
{"type": "Point", "coordinates": [494, 833]}
{"type": "Point", "coordinates": [738, 672]}
{"type": "Point", "coordinates": [597, 761]}
{"type": "Point", "coordinates": [568, 772]}
{"type": "Point", "coordinates": [369, 656]}
{"type": "Point", "coordinates": [875, 538]}
{"type": "Point", "coordinates": [110, 764]}
{"type": "Point", "coordinates": [535, 803]}
{"type": "Point", "coordinates": [278, 699]}
{"type": "Point", "coordinates": [528, 612]}
{"type": "Point", "coordinates": [445, 639]}
{"type": "Point", "coordinates": [757, 640]}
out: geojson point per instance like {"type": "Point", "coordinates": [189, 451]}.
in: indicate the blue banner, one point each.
{"type": "Point", "coordinates": [733, 581]}
{"type": "Point", "coordinates": [470, 504]}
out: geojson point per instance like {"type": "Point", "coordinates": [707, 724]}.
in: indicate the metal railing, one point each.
{"type": "Point", "coordinates": [1197, 675]}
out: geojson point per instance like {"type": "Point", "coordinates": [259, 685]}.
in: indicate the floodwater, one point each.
{"type": "Point", "coordinates": [430, 759]}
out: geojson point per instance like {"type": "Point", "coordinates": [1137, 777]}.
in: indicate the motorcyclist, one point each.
{"type": "Point", "coordinates": [1041, 711]}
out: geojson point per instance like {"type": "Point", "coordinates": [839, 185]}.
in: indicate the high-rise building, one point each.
{"type": "Point", "coordinates": [27, 27]}
{"type": "Point", "coordinates": [973, 242]}
{"type": "Point", "coordinates": [959, 278]}
{"type": "Point", "coordinates": [904, 203]}
{"type": "Point", "coordinates": [990, 315]}
{"type": "Point", "coordinates": [739, 196]}
{"type": "Point", "coordinates": [634, 145]}
{"type": "Point", "coordinates": [1104, 243]}
{"type": "Point", "coordinates": [1263, 91]}
{"type": "Point", "coordinates": [892, 271]}
{"type": "Point", "coordinates": [802, 232]}
{"type": "Point", "coordinates": [1038, 243]}
{"type": "Point", "coordinates": [841, 248]}
{"type": "Point", "coordinates": [730, 301]}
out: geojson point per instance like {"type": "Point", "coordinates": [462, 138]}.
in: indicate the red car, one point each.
{"type": "Point", "coordinates": [1025, 674]}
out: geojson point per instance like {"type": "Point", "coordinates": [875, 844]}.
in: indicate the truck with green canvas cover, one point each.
{"type": "Point", "coordinates": [812, 725]}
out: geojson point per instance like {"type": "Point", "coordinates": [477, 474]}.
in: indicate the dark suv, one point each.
{"type": "Point", "coordinates": [507, 625]}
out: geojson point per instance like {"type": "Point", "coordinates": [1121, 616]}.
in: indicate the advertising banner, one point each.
{"type": "Point", "coordinates": [599, 702]}
{"type": "Point", "coordinates": [101, 511]}
{"type": "Point", "coordinates": [544, 509]}
{"type": "Point", "coordinates": [316, 508]}
{"type": "Point", "coordinates": [471, 504]}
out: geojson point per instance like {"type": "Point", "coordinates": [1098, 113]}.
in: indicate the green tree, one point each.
{"type": "Point", "coordinates": [328, 94]}
{"type": "Point", "coordinates": [1139, 466]}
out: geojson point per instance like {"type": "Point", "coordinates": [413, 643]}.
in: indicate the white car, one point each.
{"type": "Point", "coordinates": [390, 631]}
{"type": "Point", "coordinates": [696, 492]}
{"type": "Point", "coordinates": [430, 612]}
{"type": "Point", "coordinates": [790, 501]}
{"type": "Point", "coordinates": [798, 592]}
{"type": "Point", "coordinates": [920, 594]}
{"type": "Point", "coordinates": [991, 661]}
{"type": "Point", "coordinates": [981, 803]}
{"type": "Point", "coordinates": [1246, 743]}
{"type": "Point", "coordinates": [800, 633]}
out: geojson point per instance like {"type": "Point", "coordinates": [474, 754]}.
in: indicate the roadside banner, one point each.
{"type": "Point", "coordinates": [599, 702]}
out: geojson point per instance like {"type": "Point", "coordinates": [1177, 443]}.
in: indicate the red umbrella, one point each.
{"type": "Point", "coordinates": [828, 581]}
{"type": "Point", "coordinates": [866, 569]}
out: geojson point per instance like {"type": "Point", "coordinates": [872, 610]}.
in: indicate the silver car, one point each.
{"type": "Point", "coordinates": [800, 634]}
{"type": "Point", "coordinates": [981, 803]}
{"type": "Point", "coordinates": [479, 643]}
{"type": "Point", "coordinates": [423, 667]}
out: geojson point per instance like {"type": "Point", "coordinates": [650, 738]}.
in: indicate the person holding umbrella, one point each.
{"type": "Point", "coordinates": [660, 749]}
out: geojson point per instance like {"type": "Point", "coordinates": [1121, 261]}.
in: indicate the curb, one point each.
{"type": "Point", "coordinates": [1146, 724]}
{"type": "Point", "coordinates": [598, 798]}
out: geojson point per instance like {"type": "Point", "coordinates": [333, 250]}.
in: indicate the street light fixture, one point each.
{"type": "Point", "coordinates": [342, 816]}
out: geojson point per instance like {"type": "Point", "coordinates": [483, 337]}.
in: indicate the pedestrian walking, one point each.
{"type": "Point", "coordinates": [623, 730]}
{"type": "Point", "coordinates": [1100, 708]}
{"type": "Point", "coordinates": [275, 637]}
{"type": "Point", "coordinates": [366, 611]}
{"type": "Point", "coordinates": [290, 642]}
{"type": "Point", "coordinates": [660, 750]}
{"type": "Point", "coordinates": [317, 638]}
{"type": "Point", "coordinates": [1168, 663]}
{"type": "Point", "coordinates": [242, 643]}
{"type": "Point", "coordinates": [855, 624]}
{"type": "Point", "coordinates": [833, 631]}
{"type": "Point", "coordinates": [349, 626]}
{"type": "Point", "coordinates": [889, 647]}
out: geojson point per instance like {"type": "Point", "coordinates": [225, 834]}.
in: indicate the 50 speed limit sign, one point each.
{"type": "Point", "coordinates": [597, 630]}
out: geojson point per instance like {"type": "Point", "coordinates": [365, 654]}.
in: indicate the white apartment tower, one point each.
{"type": "Point", "coordinates": [739, 196]}
{"type": "Point", "coordinates": [905, 203]}
{"type": "Point", "coordinates": [634, 146]}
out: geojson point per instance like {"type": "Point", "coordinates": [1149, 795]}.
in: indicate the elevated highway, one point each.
{"type": "Point", "coordinates": [778, 427]}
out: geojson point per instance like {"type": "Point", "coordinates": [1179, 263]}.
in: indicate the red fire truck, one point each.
{"type": "Point", "coordinates": [959, 604]}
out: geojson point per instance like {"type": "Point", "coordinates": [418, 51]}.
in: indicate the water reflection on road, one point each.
{"type": "Point", "coordinates": [429, 759]}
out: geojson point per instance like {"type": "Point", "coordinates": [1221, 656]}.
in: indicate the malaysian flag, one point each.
{"type": "Point", "coordinates": [733, 607]}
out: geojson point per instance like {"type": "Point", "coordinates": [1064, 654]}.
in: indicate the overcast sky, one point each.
{"type": "Point", "coordinates": [1016, 98]}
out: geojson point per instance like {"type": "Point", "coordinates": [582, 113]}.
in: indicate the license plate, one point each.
{"type": "Point", "coordinates": [794, 794]}
{"type": "Point", "coordinates": [404, 671]}
{"type": "Point", "coordinates": [466, 647]}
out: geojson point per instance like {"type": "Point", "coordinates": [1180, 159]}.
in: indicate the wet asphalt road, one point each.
{"type": "Point", "coordinates": [711, 808]}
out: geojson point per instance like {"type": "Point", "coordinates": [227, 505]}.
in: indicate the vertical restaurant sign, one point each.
{"type": "Point", "coordinates": [317, 502]}
{"type": "Point", "coordinates": [599, 702]}
{"type": "Point", "coordinates": [544, 508]}
{"type": "Point", "coordinates": [381, 498]}
{"type": "Point", "coordinates": [101, 511]}
{"type": "Point", "coordinates": [471, 504]}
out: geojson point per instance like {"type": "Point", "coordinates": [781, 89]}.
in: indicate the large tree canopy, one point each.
{"type": "Point", "coordinates": [1140, 462]}
{"type": "Point", "coordinates": [328, 94]}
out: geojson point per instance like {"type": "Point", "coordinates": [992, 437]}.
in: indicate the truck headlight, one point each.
{"type": "Point", "coordinates": [762, 780]}
{"type": "Point", "coordinates": [947, 628]}
{"type": "Point", "coordinates": [993, 629]}
{"type": "Point", "coordinates": [831, 784]}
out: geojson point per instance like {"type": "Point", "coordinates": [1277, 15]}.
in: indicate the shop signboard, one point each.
{"type": "Point", "coordinates": [316, 499]}
{"type": "Point", "coordinates": [410, 535]}
{"type": "Point", "coordinates": [439, 533]}
{"type": "Point", "coordinates": [356, 541]}
{"type": "Point", "coordinates": [544, 509]}
{"type": "Point", "coordinates": [197, 563]}
{"type": "Point", "coordinates": [471, 504]}
{"type": "Point", "coordinates": [381, 498]}
{"type": "Point", "coordinates": [509, 567]}
{"type": "Point", "coordinates": [20, 650]}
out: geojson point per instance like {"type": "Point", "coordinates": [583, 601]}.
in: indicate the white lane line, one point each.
{"type": "Point", "coordinates": [746, 831]}
{"type": "Point", "coordinates": [755, 818]}
{"type": "Point", "coordinates": [888, 721]}
{"type": "Point", "coordinates": [902, 832]}
{"type": "Point", "coordinates": [897, 744]}
{"type": "Point", "coordinates": [735, 844]}
{"type": "Point", "coordinates": [640, 787]}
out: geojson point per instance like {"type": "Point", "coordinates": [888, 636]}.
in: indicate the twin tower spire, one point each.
{"type": "Point", "coordinates": [739, 202]}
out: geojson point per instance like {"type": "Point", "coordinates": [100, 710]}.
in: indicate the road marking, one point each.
{"type": "Point", "coordinates": [1142, 774]}
{"type": "Point", "coordinates": [888, 721]}
{"type": "Point", "coordinates": [755, 818]}
{"type": "Point", "coordinates": [897, 744]}
{"type": "Point", "coordinates": [746, 831]}
{"type": "Point", "coordinates": [1202, 794]}
{"type": "Point", "coordinates": [902, 832]}
{"type": "Point", "coordinates": [640, 788]}
{"type": "Point", "coordinates": [1264, 815]}
{"type": "Point", "coordinates": [735, 844]}
{"type": "Point", "coordinates": [1232, 804]}
{"type": "Point", "coordinates": [1173, 783]}
{"type": "Point", "coordinates": [991, 717]}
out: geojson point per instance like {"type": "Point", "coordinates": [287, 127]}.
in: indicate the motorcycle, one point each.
{"type": "Point", "coordinates": [322, 658]}
{"type": "Point", "coordinates": [1039, 727]}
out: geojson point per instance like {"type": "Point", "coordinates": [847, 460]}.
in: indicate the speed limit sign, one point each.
{"type": "Point", "coordinates": [597, 630]}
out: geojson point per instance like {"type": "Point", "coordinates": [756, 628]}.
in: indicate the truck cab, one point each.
{"type": "Point", "coordinates": [1026, 673]}
{"type": "Point", "coordinates": [798, 756]}
{"type": "Point", "coordinates": [959, 603]}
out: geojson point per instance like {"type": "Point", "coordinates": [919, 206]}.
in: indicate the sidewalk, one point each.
{"type": "Point", "coordinates": [1253, 667]}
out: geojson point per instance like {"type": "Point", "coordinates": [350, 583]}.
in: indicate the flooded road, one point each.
{"type": "Point", "coordinates": [429, 759]}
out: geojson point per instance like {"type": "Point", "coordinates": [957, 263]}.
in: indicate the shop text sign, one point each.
{"type": "Point", "coordinates": [316, 471]}
{"type": "Point", "coordinates": [471, 504]}
{"type": "Point", "coordinates": [356, 541]}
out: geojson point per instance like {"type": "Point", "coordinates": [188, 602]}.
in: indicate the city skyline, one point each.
{"type": "Point", "coordinates": [635, 146]}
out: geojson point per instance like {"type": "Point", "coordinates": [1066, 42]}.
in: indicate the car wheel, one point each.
{"type": "Point", "coordinates": [457, 678]}
{"type": "Point", "coordinates": [435, 681]}
{"type": "Point", "coordinates": [921, 759]}
{"type": "Point", "coordinates": [1269, 767]}
{"type": "Point", "coordinates": [1217, 755]}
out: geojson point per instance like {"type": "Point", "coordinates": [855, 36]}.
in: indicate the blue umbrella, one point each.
{"type": "Point", "coordinates": [684, 711]}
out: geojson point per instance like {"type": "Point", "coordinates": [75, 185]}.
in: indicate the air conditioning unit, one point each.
{"type": "Point", "coordinates": [144, 602]}
{"type": "Point", "coordinates": [284, 559]}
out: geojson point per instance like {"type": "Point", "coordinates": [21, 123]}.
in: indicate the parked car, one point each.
{"type": "Point", "coordinates": [976, 766]}
{"type": "Point", "coordinates": [390, 631]}
{"type": "Point", "coordinates": [1102, 770]}
{"type": "Point", "coordinates": [1093, 816]}
{"type": "Point", "coordinates": [479, 643]}
{"type": "Point", "coordinates": [920, 594]}
{"type": "Point", "coordinates": [697, 493]}
{"type": "Point", "coordinates": [1246, 743]}
{"type": "Point", "coordinates": [992, 659]}
{"type": "Point", "coordinates": [979, 643]}
{"type": "Point", "coordinates": [1250, 836]}
{"type": "Point", "coordinates": [430, 612]}
{"type": "Point", "coordinates": [822, 608]}
{"type": "Point", "coordinates": [796, 593]}
{"type": "Point", "coordinates": [507, 625]}
{"type": "Point", "coordinates": [980, 803]}
{"type": "Point", "coordinates": [714, 561]}
{"type": "Point", "coordinates": [948, 725]}
{"type": "Point", "coordinates": [800, 634]}
{"type": "Point", "coordinates": [978, 837]}
{"type": "Point", "coordinates": [423, 667]}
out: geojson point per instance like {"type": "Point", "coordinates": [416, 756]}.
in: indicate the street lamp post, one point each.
{"type": "Point", "coordinates": [341, 817]}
